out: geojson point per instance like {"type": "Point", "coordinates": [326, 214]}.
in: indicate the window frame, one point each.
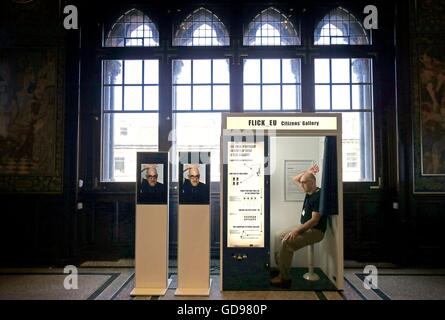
{"type": "Point", "coordinates": [351, 10]}
{"type": "Point", "coordinates": [103, 111]}
{"type": "Point", "coordinates": [372, 51]}
{"type": "Point", "coordinates": [118, 53]}
{"type": "Point", "coordinates": [112, 17]}
{"type": "Point", "coordinates": [236, 52]}
{"type": "Point", "coordinates": [197, 53]}
{"type": "Point", "coordinates": [281, 10]}
{"type": "Point", "coordinates": [187, 12]}
{"type": "Point", "coordinates": [281, 83]}
{"type": "Point", "coordinates": [192, 84]}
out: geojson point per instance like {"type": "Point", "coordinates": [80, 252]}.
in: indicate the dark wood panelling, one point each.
{"type": "Point", "coordinates": [430, 220]}
{"type": "Point", "coordinates": [215, 225]}
{"type": "Point", "coordinates": [425, 240]}
{"type": "Point", "coordinates": [125, 223]}
{"type": "Point", "coordinates": [33, 231]}
{"type": "Point", "coordinates": [173, 220]}
{"type": "Point", "coordinates": [368, 227]}
{"type": "Point", "coordinates": [103, 223]}
{"type": "Point", "coordinates": [107, 226]}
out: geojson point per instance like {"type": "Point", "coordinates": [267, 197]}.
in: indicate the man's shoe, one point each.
{"type": "Point", "coordinates": [281, 283]}
{"type": "Point", "coordinates": [274, 273]}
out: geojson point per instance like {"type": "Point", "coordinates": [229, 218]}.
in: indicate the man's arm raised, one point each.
{"type": "Point", "coordinates": [312, 169]}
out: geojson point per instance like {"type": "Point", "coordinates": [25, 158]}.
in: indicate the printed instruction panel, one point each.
{"type": "Point", "coordinates": [245, 194]}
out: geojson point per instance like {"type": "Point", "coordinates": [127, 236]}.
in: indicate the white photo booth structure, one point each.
{"type": "Point", "coordinates": [152, 224]}
{"type": "Point", "coordinates": [194, 224]}
{"type": "Point", "coordinates": [259, 155]}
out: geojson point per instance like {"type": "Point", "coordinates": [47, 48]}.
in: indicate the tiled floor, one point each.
{"type": "Point", "coordinates": [102, 283]}
{"type": "Point", "coordinates": [397, 284]}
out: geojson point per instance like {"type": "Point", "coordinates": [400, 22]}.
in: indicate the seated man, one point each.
{"type": "Point", "coordinates": [311, 230]}
{"type": "Point", "coordinates": [193, 190]}
{"type": "Point", "coordinates": [151, 190]}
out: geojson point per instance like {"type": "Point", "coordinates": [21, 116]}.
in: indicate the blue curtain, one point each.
{"type": "Point", "coordinates": [329, 189]}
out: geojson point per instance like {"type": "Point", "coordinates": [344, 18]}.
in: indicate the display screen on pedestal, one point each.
{"type": "Point", "coordinates": [152, 179]}
{"type": "Point", "coordinates": [194, 177]}
{"type": "Point", "coordinates": [245, 194]}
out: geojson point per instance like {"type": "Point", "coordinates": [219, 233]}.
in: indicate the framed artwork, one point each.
{"type": "Point", "coordinates": [429, 119]}
{"type": "Point", "coordinates": [31, 120]}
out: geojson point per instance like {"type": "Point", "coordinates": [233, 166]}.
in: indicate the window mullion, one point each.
{"type": "Point", "coordinates": [330, 85]}
{"type": "Point", "coordinates": [191, 84]}
{"type": "Point", "coordinates": [281, 84]}
{"type": "Point", "coordinates": [236, 85]}
{"type": "Point", "coordinates": [165, 102]}
{"type": "Point", "coordinates": [307, 85]}
{"type": "Point", "coordinates": [123, 84]}
{"type": "Point", "coordinates": [261, 84]}
{"type": "Point", "coordinates": [211, 84]}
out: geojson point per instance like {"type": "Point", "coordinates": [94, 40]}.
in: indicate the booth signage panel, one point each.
{"type": "Point", "coordinates": [245, 194]}
{"type": "Point", "coordinates": [282, 123]}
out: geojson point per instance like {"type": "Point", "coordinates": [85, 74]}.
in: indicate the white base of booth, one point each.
{"type": "Point", "coordinates": [194, 291]}
{"type": "Point", "coordinates": [150, 291]}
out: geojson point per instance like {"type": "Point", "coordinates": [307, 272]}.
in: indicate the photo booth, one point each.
{"type": "Point", "coordinates": [259, 156]}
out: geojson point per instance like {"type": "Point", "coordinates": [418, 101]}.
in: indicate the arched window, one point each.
{"type": "Point", "coordinates": [130, 106]}
{"type": "Point", "coordinates": [340, 27]}
{"type": "Point", "coordinates": [201, 28]}
{"type": "Point", "coordinates": [133, 29]}
{"type": "Point", "coordinates": [271, 28]}
{"type": "Point", "coordinates": [345, 84]}
{"type": "Point", "coordinates": [200, 91]}
{"type": "Point", "coordinates": [130, 98]}
{"type": "Point", "coordinates": [200, 88]}
{"type": "Point", "coordinates": [274, 82]}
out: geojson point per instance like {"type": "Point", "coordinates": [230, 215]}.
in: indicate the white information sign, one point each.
{"type": "Point", "coordinates": [282, 123]}
{"type": "Point", "coordinates": [245, 194]}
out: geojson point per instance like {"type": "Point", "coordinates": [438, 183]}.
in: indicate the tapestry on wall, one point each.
{"type": "Point", "coordinates": [428, 16]}
{"type": "Point", "coordinates": [429, 121]}
{"type": "Point", "coordinates": [31, 120]}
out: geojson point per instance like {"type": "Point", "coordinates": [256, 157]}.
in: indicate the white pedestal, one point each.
{"type": "Point", "coordinates": [150, 291]}
{"type": "Point", "coordinates": [311, 275]}
{"type": "Point", "coordinates": [193, 250]}
{"type": "Point", "coordinates": [151, 256]}
{"type": "Point", "coordinates": [194, 291]}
